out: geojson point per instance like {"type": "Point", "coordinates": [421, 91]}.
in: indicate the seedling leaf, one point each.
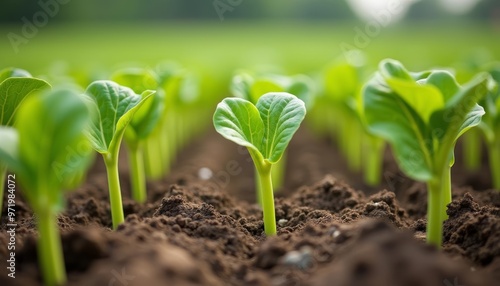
{"type": "Point", "coordinates": [282, 114]}
{"type": "Point", "coordinates": [15, 86]}
{"type": "Point", "coordinates": [114, 107]}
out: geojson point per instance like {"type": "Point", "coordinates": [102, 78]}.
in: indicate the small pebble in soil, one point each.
{"type": "Point", "coordinates": [205, 173]}
{"type": "Point", "coordinates": [282, 222]}
{"type": "Point", "coordinates": [301, 259]}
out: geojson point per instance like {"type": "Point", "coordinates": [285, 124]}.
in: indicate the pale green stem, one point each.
{"type": "Point", "coordinates": [115, 196]}
{"type": "Point", "coordinates": [137, 178]}
{"type": "Point", "coordinates": [50, 252]}
{"type": "Point", "coordinates": [445, 192]}
{"type": "Point", "coordinates": [434, 214]}
{"type": "Point", "coordinates": [472, 150]}
{"type": "Point", "coordinates": [258, 187]}
{"type": "Point", "coordinates": [352, 137]}
{"type": "Point", "coordinates": [374, 160]}
{"type": "Point", "coordinates": [267, 200]}
{"type": "Point", "coordinates": [278, 172]}
{"type": "Point", "coordinates": [494, 158]}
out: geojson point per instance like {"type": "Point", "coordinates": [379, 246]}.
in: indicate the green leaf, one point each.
{"type": "Point", "coordinates": [146, 118]}
{"type": "Point", "coordinates": [52, 146]}
{"type": "Point", "coordinates": [341, 81]}
{"type": "Point", "coordinates": [238, 120]}
{"type": "Point", "coordinates": [425, 99]}
{"type": "Point", "coordinates": [13, 72]}
{"type": "Point", "coordinates": [13, 90]}
{"type": "Point", "coordinates": [9, 154]}
{"type": "Point", "coordinates": [266, 127]}
{"type": "Point", "coordinates": [113, 108]}
{"type": "Point", "coordinates": [262, 86]}
{"type": "Point", "coordinates": [387, 115]}
{"type": "Point", "coordinates": [445, 83]}
{"type": "Point", "coordinates": [282, 114]}
{"type": "Point", "coordinates": [393, 69]}
{"type": "Point", "coordinates": [462, 111]}
{"type": "Point", "coordinates": [241, 84]}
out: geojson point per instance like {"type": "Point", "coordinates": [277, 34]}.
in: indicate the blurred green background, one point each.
{"type": "Point", "coordinates": [50, 36]}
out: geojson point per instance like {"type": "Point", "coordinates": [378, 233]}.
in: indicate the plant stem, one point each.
{"type": "Point", "coordinates": [374, 160]}
{"type": "Point", "coordinates": [258, 187]}
{"type": "Point", "coordinates": [494, 158]}
{"type": "Point", "coordinates": [472, 150]}
{"type": "Point", "coordinates": [50, 253]}
{"type": "Point", "coordinates": [278, 172]}
{"type": "Point", "coordinates": [434, 214]}
{"type": "Point", "coordinates": [352, 138]}
{"type": "Point", "coordinates": [267, 200]}
{"type": "Point", "coordinates": [445, 192]}
{"type": "Point", "coordinates": [3, 173]}
{"type": "Point", "coordinates": [115, 196]}
{"type": "Point", "coordinates": [137, 178]}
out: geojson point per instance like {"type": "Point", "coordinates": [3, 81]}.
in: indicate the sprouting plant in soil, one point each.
{"type": "Point", "coordinates": [251, 87]}
{"type": "Point", "coordinates": [40, 150]}
{"type": "Point", "coordinates": [141, 126]}
{"type": "Point", "coordinates": [422, 115]}
{"type": "Point", "coordinates": [341, 107]}
{"type": "Point", "coordinates": [490, 124]}
{"type": "Point", "coordinates": [112, 107]}
{"type": "Point", "coordinates": [15, 86]}
{"type": "Point", "coordinates": [265, 129]}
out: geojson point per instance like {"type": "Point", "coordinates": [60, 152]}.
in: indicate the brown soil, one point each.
{"type": "Point", "coordinates": [210, 232]}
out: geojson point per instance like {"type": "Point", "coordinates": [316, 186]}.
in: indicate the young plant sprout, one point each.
{"type": "Point", "coordinates": [15, 86]}
{"type": "Point", "coordinates": [343, 81]}
{"type": "Point", "coordinates": [113, 108]}
{"type": "Point", "coordinates": [422, 115]}
{"type": "Point", "coordinates": [141, 126]}
{"type": "Point", "coordinates": [265, 129]}
{"type": "Point", "coordinates": [490, 124]}
{"type": "Point", "coordinates": [251, 88]}
{"type": "Point", "coordinates": [41, 151]}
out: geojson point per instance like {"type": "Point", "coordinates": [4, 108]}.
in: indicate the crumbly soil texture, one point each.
{"type": "Point", "coordinates": [332, 230]}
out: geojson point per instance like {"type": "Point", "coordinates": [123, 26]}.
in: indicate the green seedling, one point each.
{"type": "Point", "coordinates": [251, 88]}
{"type": "Point", "coordinates": [113, 107]}
{"type": "Point", "coordinates": [422, 115]}
{"type": "Point", "coordinates": [141, 126]}
{"type": "Point", "coordinates": [490, 124]}
{"type": "Point", "coordinates": [342, 85]}
{"type": "Point", "coordinates": [15, 86]}
{"type": "Point", "coordinates": [46, 148]}
{"type": "Point", "coordinates": [265, 129]}
{"type": "Point", "coordinates": [178, 121]}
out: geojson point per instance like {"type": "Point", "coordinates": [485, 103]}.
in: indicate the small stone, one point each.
{"type": "Point", "coordinates": [282, 222]}
{"type": "Point", "coordinates": [205, 173]}
{"type": "Point", "coordinates": [301, 259]}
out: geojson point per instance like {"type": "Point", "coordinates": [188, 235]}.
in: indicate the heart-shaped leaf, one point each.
{"type": "Point", "coordinates": [148, 116]}
{"type": "Point", "coordinates": [266, 127]}
{"type": "Point", "coordinates": [113, 108]}
{"type": "Point", "coordinates": [15, 86]}
{"type": "Point", "coordinates": [51, 147]}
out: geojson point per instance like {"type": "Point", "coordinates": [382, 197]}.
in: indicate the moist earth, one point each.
{"type": "Point", "coordinates": [332, 229]}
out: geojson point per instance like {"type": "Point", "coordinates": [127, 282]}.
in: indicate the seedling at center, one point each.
{"type": "Point", "coordinates": [265, 129]}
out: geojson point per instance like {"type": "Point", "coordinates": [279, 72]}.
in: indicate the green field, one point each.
{"type": "Point", "coordinates": [223, 46]}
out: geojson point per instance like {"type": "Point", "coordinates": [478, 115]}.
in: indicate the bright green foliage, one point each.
{"type": "Point", "coordinates": [341, 101]}
{"type": "Point", "coordinates": [113, 108]}
{"type": "Point", "coordinates": [265, 129]}
{"type": "Point", "coordinates": [490, 124]}
{"type": "Point", "coordinates": [47, 147]}
{"type": "Point", "coordinates": [15, 86]}
{"type": "Point", "coordinates": [252, 87]}
{"type": "Point", "coordinates": [142, 124]}
{"type": "Point", "coordinates": [422, 115]}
